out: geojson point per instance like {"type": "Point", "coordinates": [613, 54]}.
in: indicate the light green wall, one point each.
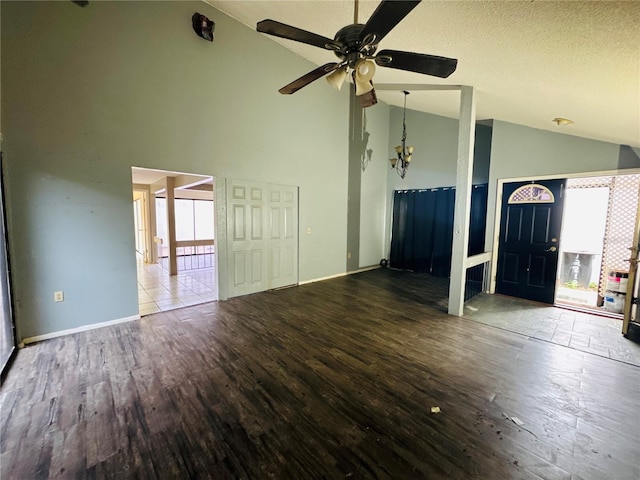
{"type": "Point", "coordinates": [89, 92]}
{"type": "Point", "coordinates": [435, 139]}
{"type": "Point", "coordinates": [0, 77]}
{"type": "Point", "coordinates": [482, 154]}
{"type": "Point", "coordinates": [503, 150]}
{"type": "Point", "coordinates": [523, 152]}
{"type": "Point", "coordinates": [356, 138]}
{"type": "Point", "coordinates": [373, 196]}
{"type": "Point", "coordinates": [519, 151]}
{"type": "Point", "coordinates": [367, 199]}
{"type": "Point", "coordinates": [629, 157]}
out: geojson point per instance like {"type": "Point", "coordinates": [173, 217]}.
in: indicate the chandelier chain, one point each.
{"type": "Point", "coordinates": [404, 122]}
{"type": "Point", "coordinates": [403, 153]}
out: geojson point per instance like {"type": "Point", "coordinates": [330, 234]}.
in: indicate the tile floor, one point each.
{"type": "Point", "coordinates": [159, 292]}
{"type": "Point", "coordinates": [581, 331]}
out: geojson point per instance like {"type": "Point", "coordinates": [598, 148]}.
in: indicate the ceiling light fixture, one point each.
{"type": "Point", "coordinates": [362, 75]}
{"type": "Point", "coordinates": [337, 78]}
{"type": "Point", "coordinates": [404, 153]}
{"type": "Point", "coordinates": [356, 45]}
{"type": "Point", "coordinates": [562, 121]}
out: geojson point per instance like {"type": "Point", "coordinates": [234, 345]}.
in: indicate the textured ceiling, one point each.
{"type": "Point", "coordinates": [529, 61]}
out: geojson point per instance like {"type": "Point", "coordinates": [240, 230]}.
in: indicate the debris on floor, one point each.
{"type": "Point", "coordinates": [517, 421]}
{"type": "Point", "coordinates": [435, 409]}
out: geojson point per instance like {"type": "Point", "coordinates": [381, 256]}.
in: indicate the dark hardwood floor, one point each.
{"type": "Point", "coordinates": [329, 380]}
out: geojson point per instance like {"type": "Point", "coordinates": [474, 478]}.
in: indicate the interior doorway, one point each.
{"type": "Point", "coordinates": [140, 201]}
{"type": "Point", "coordinates": [174, 222]}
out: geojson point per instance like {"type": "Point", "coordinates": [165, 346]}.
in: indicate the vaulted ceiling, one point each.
{"type": "Point", "coordinates": [530, 62]}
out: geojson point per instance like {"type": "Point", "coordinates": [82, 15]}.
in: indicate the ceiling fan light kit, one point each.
{"type": "Point", "coordinates": [362, 76]}
{"type": "Point", "coordinates": [355, 45]}
{"type": "Point", "coordinates": [337, 78]}
{"type": "Point", "coordinates": [368, 99]}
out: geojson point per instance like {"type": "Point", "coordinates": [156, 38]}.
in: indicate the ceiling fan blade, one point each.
{"type": "Point", "coordinates": [417, 62]}
{"type": "Point", "coordinates": [282, 30]}
{"type": "Point", "coordinates": [388, 14]}
{"type": "Point", "coordinates": [305, 80]}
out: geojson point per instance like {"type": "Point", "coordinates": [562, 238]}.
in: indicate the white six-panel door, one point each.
{"type": "Point", "coordinates": [283, 235]}
{"type": "Point", "coordinates": [247, 252]}
{"type": "Point", "coordinates": [262, 236]}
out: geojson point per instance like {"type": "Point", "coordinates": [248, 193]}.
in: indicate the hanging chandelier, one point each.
{"type": "Point", "coordinates": [404, 152]}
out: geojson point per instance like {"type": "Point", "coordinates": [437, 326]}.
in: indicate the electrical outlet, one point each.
{"type": "Point", "coordinates": [349, 255]}
{"type": "Point", "coordinates": [58, 296]}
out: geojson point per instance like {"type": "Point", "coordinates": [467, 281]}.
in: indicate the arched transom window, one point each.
{"type": "Point", "coordinates": [532, 193]}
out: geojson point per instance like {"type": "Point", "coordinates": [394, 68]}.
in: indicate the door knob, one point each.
{"type": "Point", "coordinates": [551, 249]}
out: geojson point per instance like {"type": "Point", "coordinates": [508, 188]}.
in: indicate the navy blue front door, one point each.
{"type": "Point", "coordinates": [529, 234]}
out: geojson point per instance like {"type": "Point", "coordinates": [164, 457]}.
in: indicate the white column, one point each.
{"type": "Point", "coordinates": [464, 177]}
{"type": "Point", "coordinates": [151, 216]}
{"type": "Point", "coordinates": [171, 226]}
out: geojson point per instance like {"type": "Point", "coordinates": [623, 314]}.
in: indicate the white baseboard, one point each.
{"type": "Point", "coordinates": [71, 331]}
{"type": "Point", "coordinates": [93, 326]}
{"type": "Point", "coordinates": [366, 269]}
{"type": "Point", "coordinates": [360, 270]}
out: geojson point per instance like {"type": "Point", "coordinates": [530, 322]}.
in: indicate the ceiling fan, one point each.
{"type": "Point", "coordinates": [355, 45]}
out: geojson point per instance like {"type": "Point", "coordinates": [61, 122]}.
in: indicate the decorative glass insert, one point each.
{"type": "Point", "coordinates": [532, 193]}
